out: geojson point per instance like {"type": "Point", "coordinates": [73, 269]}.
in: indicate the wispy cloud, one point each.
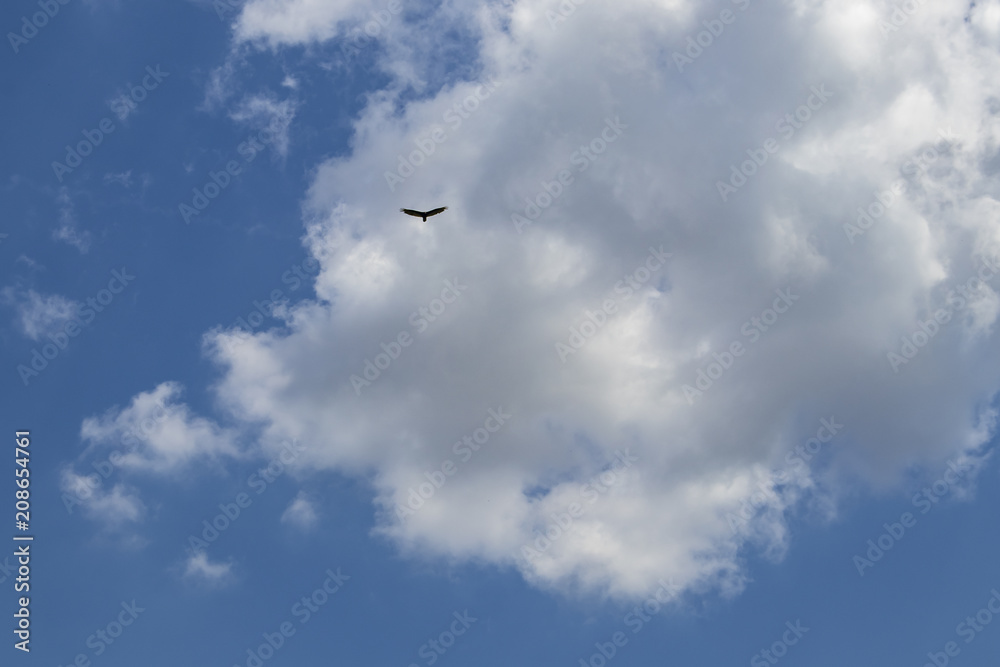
{"type": "Point", "coordinates": [223, 81]}
{"type": "Point", "coordinates": [111, 507]}
{"type": "Point", "coordinates": [68, 230]}
{"type": "Point", "coordinates": [37, 314]}
{"type": "Point", "coordinates": [122, 178]}
{"type": "Point", "coordinates": [300, 513]}
{"type": "Point", "coordinates": [265, 111]}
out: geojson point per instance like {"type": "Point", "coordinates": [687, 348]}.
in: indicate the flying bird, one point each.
{"type": "Point", "coordinates": [423, 214]}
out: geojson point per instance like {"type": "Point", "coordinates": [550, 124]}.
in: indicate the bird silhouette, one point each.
{"type": "Point", "coordinates": [423, 214]}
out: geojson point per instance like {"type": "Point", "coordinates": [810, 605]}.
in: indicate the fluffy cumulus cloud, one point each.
{"type": "Point", "coordinates": [156, 434]}
{"type": "Point", "coordinates": [704, 264]}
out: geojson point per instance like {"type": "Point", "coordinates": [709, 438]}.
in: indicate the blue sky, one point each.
{"type": "Point", "coordinates": [698, 367]}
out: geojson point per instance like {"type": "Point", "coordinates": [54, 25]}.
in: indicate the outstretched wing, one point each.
{"type": "Point", "coordinates": [410, 211]}
{"type": "Point", "coordinates": [436, 211]}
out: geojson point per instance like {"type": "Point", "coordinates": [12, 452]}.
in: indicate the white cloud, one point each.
{"type": "Point", "coordinates": [261, 112]}
{"type": "Point", "coordinates": [656, 184]}
{"type": "Point", "coordinates": [290, 22]}
{"type": "Point", "coordinates": [40, 315]}
{"type": "Point", "coordinates": [112, 508]}
{"type": "Point", "coordinates": [29, 262]}
{"type": "Point", "coordinates": [157, 434]}
{"type": "Point", "coordinates": [199, 568]}
{"type": "Point", "coordinates": [301, 512]}
{"type": "Point", "coordinates": [222, 82]}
